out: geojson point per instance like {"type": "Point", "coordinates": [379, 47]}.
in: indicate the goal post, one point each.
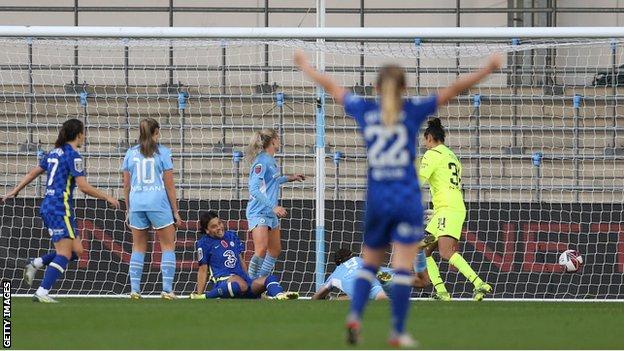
{"type": "Point", "coordinates": [541, 142]}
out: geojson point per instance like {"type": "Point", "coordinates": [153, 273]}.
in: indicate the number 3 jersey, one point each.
{"type": "Point", "coordinates": [62, 165]}
{"type": "Point", "coordinates": [221, 255]}
{"type": "Point", "coordinates": [442, 170]}
{"type": "Point", "coordinates": [147, 188]}
{"type": "Point", "coordinates": [391, 151]}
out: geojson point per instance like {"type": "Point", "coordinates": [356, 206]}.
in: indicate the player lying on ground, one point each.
{"type": "Point", "coordinates": [394, 213]}
{"type": "Point", "coordinates": [65, 170]}
{"type": "Point", "coordinates": [221, 253]}
{"type": "Point", "coordinates": [442, 170]}
{"type": "Point", "coordinates": [263, 209]}
{"type": "Point", "coordinates": [343, 277]}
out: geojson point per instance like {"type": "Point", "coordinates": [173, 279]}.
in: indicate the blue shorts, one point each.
{"type": "Point", "coordinates": [60, 227]}
{"type": "Point", "coordinates": [263, 221]}
{"type": "Point", "coordinates": [141, 220]}
{"type": "Point", "coordinates": [393, 221]}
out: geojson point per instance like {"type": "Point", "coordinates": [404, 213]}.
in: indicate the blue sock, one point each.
{"type": "Point", "coordinates": [399, 301]}
{"type": "Point", "coordinates": [136, 271]}
{"type": "Point", "coordinates": [365, 277]}
{"type": "Point", "coordinates": [267, 266]}
{"type": "Point", "coordinates": [167, 268]}
{"type": "Point", "coordinates": [54, 271]}
{"type": "Point", "coordinates": [272, 286]}
{"type": "Point", "coordinates": [224, 289]}
{"type": "Point", "coordinates": [45, 259]}
{"type": "Point", "coordinates": [254, 266]}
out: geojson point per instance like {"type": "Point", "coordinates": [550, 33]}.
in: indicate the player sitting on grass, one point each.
{"type": "Point", "coordinates": [221, 252]}
{"type": "Point", "coordinates": [442, 170]}
{"type": "Point", "coordinates": [343, 277]}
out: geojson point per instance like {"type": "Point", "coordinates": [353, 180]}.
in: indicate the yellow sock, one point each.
{"type": "Point", "coordinates": [464, 268]}
{"type": "Point", "coordinates": [434, 275]}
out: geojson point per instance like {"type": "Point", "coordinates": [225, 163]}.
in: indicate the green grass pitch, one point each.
{"type": "Point", "coordinates": [243, 324]}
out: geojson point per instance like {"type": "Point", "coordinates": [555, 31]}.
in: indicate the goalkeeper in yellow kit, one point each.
{"type": "Point", "coordinates": [442, 170]}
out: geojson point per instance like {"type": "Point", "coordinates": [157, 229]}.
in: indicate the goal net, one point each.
{"type": "Point", "coordinates": [541, 143]}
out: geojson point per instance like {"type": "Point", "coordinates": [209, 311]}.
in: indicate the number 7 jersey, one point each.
{"type": "Point", "coordinates": [441, 168]}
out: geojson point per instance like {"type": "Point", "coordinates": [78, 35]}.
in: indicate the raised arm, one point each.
{"type": "Point", "coordinates": [171, 195]}
{"type": "Point", "coordinates": [467, 81]}
{"type": "Point", "coordinates": [29, 177]}
{"type": "Point", "coordinates": [90, 190]}
{"type": "Point", "coordinates": [322, 79]}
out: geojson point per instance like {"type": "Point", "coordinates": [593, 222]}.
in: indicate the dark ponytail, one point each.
{"type": "Point", "coordinates": [435, 129]}
{"type": "Point", "coordinates": [69, 132]}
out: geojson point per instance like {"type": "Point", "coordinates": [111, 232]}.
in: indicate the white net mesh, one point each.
{"type": "Point", "coordinates": [541, 166]}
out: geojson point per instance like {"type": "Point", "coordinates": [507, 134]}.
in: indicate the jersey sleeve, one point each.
{"type": "Point", "coordinates": [256, 179]}
{"type": "Point", "coordinates": [354, 106]}
{"type": "Point", "coordinates": [328, 282]}
{"type": "Point", "coordinates": [421, 108]}
{"type": "Point", "coordinates": [76, 165]}
{"type": "Point", "coordinates": [165, 159]}
{"type": "Point", "coordinates": [43, 162]}
{"type": "Point", "coordinates": [202, 253]}
{"type": "Point", "coordinates": [427, 166]}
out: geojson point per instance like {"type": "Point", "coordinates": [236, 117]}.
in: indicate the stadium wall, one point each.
{"type": "Point", "coordinates": [513, 246]}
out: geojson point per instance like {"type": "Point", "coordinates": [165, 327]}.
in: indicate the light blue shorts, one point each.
{"type": "Point", "coordinates": [142, 219]}
{"type": "Point", "coordinates": [263, 221]}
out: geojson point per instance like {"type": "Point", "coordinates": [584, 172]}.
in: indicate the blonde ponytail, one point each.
{"type": "Point", "coordinates": [259, 142]}
{"type": "Point", "coordinates": [391, 84]}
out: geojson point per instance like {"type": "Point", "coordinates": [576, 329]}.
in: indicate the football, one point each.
{"type": "Point", "coordinates": [571, 260]}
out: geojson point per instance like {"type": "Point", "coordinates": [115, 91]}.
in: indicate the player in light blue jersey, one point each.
{"type": "Point", "coordinates": [65, 170]}
{"type": "Point", "coordinates": [151, 202]}
{"type": "Point", "coordinates": [394, 211]}
{"type": "Point", "coordinates": [263, 209]}
{"type": "Point", "coordinates": [343, 277]}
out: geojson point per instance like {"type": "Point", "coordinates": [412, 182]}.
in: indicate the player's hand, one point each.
{"type": "Point", "coordinates": [301, 60]}
{"type": "Point", "coordinates": [9, 195]}
{"type": "Point", "coordinates": [495, 62]}
{"type": "Point", "coordinates": [280, 211]}
{"type": "Point", "coordinates": [113, 202]}
{"type": "Point", "coordinates": [428, 216]}
{"type": "Point", "coordinates": [296, 178]}
{"type": "Point", "coordinates": [178, 219]}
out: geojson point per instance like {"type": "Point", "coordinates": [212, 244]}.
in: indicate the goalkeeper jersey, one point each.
{"type": "Point", "coordinates": [442, 170]}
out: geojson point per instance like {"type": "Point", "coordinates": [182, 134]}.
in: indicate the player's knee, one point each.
{"type": "Point", "coordinates": [446, 253]}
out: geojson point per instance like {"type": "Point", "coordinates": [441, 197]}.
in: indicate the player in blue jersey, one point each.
{"type": "Point", "coordinates": [221, 252]}
{"type": "Point", "coordinates": [343, 277]}
{"type": "Point", "coordinates": [263, 210]}
{"type": "Point", "coordinates": [65, 170]}
{"type": "Point", "coordinates": [151, 202]}
{"type": "Point", "coordinates": [394, 212]}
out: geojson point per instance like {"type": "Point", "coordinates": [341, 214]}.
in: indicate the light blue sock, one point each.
{"type": "Point", "coordinates": [136, 271]}
{"type": "Point", "coordinates": [267, 266]}
{"type": "Point", "coordinates": [167, 268]}
{"type": "Point", "coordinates": [254, 266]}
